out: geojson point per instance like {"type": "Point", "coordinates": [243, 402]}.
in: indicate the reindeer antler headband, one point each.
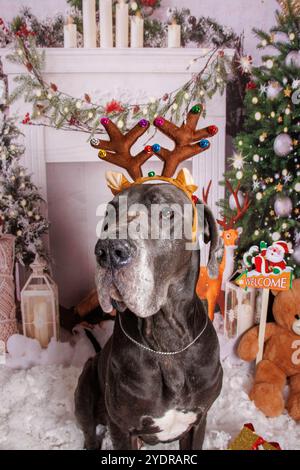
{"type": "Point", "coordinates": [188, 142]}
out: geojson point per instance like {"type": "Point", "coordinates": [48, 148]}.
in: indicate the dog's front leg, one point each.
{"type": "Point", "coordinates": [89, 404]}
{"type": "Point", "coordinates": [122, 440]}
{"type": "Point", "coordinates": [193, 439]}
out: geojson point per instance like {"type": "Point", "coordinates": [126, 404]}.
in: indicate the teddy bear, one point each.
{"type": "Point", "coordinates": [281, 358]}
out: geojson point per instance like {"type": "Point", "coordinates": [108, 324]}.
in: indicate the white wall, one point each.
{"type": "Point", "coordinates": [241, 15]}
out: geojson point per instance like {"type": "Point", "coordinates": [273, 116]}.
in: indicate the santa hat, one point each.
{"type": "Point", "coordinates": [282, 245]}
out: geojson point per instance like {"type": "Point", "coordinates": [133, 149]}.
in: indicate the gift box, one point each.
{"type": "Point", "coordinates": [249, 440]}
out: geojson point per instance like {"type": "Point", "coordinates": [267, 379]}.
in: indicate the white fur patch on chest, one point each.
{"type": "Point", "coordinates": [173, 423]}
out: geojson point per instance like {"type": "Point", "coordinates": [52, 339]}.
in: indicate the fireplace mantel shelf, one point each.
{"type": "Point", "coordinates": [60, 60]}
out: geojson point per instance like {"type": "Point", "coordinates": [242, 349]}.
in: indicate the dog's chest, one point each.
{"type": "Point", "coordinates": [172, 424]}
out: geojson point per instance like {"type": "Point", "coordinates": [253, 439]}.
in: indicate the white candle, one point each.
{"type": "Point", "coordinates": [174, 35]}
{"type": "Point", "coordinates": [70, 33]}
{"type": "Point", "coordinates": [40, 321]}
{"type": "Point", "coordinates": [106, 36]}
{"type": "Point", "coordinates": [89, 23]}
{"type": "Point", "coordinates": [137, 31]}
{"type": "Point", "coordinates": [121, 24]}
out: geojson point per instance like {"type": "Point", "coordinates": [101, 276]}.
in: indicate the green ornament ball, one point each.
{"type": "Point", "coordinates": [196, 109]}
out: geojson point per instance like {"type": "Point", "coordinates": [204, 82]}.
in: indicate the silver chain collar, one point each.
{"type": "Point", "coordinates": [163, 353]}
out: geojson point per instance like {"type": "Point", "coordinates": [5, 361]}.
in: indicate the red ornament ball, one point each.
{"type": "Point", "coordinates": [251, 85]}
{"type": "Point", "coordinates": [212, 130]}
{"type": "Point", "coordinates": [148, 149]}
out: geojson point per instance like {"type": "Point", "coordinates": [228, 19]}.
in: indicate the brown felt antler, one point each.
{"type": "Point", "coordinates": [117, 149]}
{"type": "Point", "coordinates": [188, 140]}
{"type": "Point", "coordinates": [240, 210]}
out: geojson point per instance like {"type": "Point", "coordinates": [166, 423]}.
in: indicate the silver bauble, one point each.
{"type": "Point", "coordinates": [293, 59]}
{"type": "Point", "coordinates": [232, 203]}
{"type": "Point", "coordinates": [296, 254]}
{"type": "Point", "coordinates": [273, 90]}
{"type": "Point", "coordinates": [283, 206]}
{"type": "Point", "coordinates": [283, 145]}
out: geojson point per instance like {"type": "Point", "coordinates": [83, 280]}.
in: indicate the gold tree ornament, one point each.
{"type": "Point", "coordinates": [295, 4]}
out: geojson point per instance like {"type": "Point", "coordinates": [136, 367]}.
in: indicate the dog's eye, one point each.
{"type": "Point", "coordinates": [297, 316]}
{"type": "Point", "coordinates": [167, 213]}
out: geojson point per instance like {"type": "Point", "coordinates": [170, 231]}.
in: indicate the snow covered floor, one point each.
{"type": "Point", "coordinates": [36, 410]}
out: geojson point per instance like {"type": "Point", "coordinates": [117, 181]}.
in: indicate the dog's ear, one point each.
{"type": "Point", "coordinates": [211, 234]}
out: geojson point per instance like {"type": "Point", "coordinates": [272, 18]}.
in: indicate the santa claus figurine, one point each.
{"type": "Point", "coordinates": [271, 258]}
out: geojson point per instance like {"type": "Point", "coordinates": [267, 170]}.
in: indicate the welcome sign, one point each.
{"type": "Point", "coordinates": [278, 282]}
{"type": "Point", "coordinates": [266, 269]}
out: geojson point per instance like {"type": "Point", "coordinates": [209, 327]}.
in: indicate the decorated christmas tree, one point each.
{"type": "Point", "coordinates": [266, 161]}
{"type": "Point", "coordinates": [20, 202]}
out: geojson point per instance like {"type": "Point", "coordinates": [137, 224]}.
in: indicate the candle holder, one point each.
{"type": "Point", "coordinates": [39, 305]}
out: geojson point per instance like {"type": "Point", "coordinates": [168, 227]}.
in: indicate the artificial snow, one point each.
{"type": "Point", "coordinates": [37, 406]}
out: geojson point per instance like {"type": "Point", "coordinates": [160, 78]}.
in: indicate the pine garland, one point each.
{"type": "Point", "coordinates": [51, 107]}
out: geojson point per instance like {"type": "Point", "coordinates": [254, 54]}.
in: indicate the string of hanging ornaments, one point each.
{"type": "Point", "coordinates": [54, 108]}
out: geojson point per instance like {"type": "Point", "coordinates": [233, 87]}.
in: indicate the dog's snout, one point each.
{"type": "Point", "coordinates": [115, 253]}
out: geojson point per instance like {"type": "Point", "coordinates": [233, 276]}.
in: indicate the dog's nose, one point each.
{"type": "Point", "coordinates": [116, 253]}
{"type": "Point", "coordinates": [120, 253]}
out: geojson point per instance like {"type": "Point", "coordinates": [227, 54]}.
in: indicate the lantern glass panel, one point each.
{"type": "Point", "coordinates": [241, 308]}
{"type": "Point", "coordinates": [40, 310]}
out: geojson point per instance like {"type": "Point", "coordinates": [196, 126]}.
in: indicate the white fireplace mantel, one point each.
{"type": "Point", "coordinates": [77, 71]}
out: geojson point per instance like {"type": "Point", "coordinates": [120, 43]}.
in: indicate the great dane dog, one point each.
{"type": "Point", "coordinates": [160, 372]}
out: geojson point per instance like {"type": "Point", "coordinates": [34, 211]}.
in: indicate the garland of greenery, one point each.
{"type": "Point", "coordinates": [58, 109]}
{"type": "Point", "coordinates": [54, 108]}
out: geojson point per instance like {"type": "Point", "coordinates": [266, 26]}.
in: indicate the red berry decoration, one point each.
{"type": "Point", "coordinates": [212, 130]}
{"type": "Point", "coordinates": [53, 86]}
{"type": "Point", "coordinates": [195, 199]}
{"type": "Point", "coordinates": [26, 119]}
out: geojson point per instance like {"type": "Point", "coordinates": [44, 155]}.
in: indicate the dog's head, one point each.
{"type": "Point", "coordinates": [143, 248]}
